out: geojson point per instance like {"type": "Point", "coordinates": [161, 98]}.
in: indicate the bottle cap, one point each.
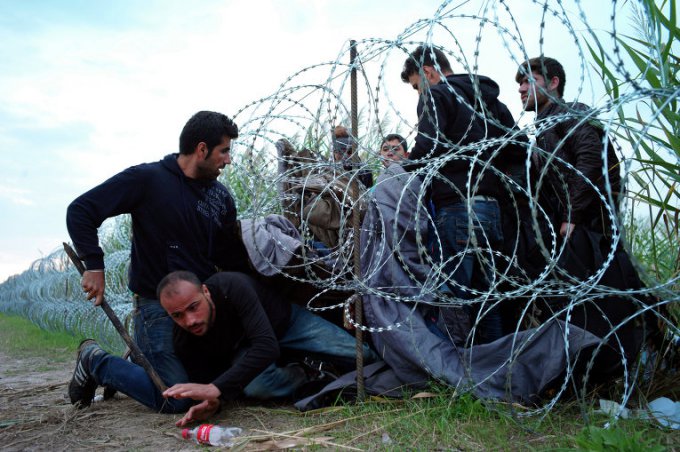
{"type": "Point", "coordinates": [185, 433]}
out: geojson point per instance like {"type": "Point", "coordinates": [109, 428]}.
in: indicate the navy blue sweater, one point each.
{"type": "Point", "coordinates": [178, 223]}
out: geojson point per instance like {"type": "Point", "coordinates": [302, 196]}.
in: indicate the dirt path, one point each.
{"type": "Point", "coordinates": [35, 414]}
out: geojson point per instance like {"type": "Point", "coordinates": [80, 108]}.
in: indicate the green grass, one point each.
{"type": "Point", "coordinates": [445, 421]}
{"type": "Point", "coordinates": [601, 439]}
{"type": "Point", "coordinates": [441, 421]}
{"type": "Point", "coordinates": [21, 338]}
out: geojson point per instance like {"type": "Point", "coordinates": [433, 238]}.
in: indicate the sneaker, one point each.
{"type": "Point", "coordinates": [82, 387]}
{"type": "Point", "coordinates": [319, 370]}
{"type": "Point", "coordinates": [318, 375]}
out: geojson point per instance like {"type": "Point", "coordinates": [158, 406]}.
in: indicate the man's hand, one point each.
{"type": "Point", "coordinates": [208, 395]}
{"type": "Point", "coordinates": [200, 412]}
{"type": "Point", "coordinates": [566, 229]}
{"type": "Point", "coordinates": [94, 283]}
{"type": "Point", "coordinates": [193, 391]}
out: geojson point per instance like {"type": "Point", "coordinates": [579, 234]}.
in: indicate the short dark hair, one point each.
{"type": "Point", "coordinates": [424, 56]}
{"type": "Point", "coordinates": [206, 126]}
{"type": "Point", "coordinates": [545, 66]}
{"type": "Point", "coordinates": [396, 136]}
{"type": "Point", "coordinates": [169, 281]}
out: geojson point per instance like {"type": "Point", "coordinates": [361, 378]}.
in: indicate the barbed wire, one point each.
{"type": "Point", "coordinates": [270, 175]}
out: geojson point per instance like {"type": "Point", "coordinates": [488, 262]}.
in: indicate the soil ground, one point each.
{"type": "Point", "coordinates": [35, 414]}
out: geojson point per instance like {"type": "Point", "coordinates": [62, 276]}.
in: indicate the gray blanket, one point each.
{"type": "Point", "coordinates": [271, 242]}
{"type": "Point", "coordinates": [399, 288]}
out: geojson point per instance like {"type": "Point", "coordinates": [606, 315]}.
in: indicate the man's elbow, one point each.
{"type": "Point", "coordinates": [71, 215]}
{"type": "Point", "coordinates": [75, 209]}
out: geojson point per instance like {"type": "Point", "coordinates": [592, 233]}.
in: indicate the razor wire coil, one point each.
{"type": "Point", "coordinates": [304, 110]}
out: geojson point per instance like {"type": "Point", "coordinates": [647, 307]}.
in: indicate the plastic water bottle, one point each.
{"type": "Point", "coordinates": [212, 435]}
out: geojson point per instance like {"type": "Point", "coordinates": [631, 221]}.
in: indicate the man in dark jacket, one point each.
{"type": "Point", "coordinates": [570, 145]}
{"type": "Point", "coordinates": [182, 218]}
{"type": "Point", "coordinates": [456, 113]}
{"type": "Point", "coordinates": [230, 332]}
{"type": "Point", "coordinates": [580, 190]}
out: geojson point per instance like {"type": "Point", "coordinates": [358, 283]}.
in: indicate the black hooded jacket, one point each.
{"type": "Point", "coordinates": [178, 223]}
{"type": "Point", "coordinates": [454, 124]}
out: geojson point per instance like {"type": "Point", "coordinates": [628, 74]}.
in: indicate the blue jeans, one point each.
{"type": "Point", "coordinates": [311, 334]}
{"type": "Point", "coordinates": [467, 262]}
{"type": "Point", "coordinates": [153, 335]}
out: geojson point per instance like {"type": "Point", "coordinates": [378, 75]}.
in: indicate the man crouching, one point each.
{"type": "Point", "coordinates": [231, 332]}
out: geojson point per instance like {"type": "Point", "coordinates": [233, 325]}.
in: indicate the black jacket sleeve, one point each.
{"type": "Point", "coordinates": [261, 348]}
{"type": "Point", "coordinates": [433, 117]}
{"type": "Point", "coordinates": [585, 148]}
{"type": "Point", "coordinates": [117, 195]}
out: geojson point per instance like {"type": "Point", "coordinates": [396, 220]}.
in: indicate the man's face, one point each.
{"type": "Point", "coordinates": [420, 83]}
{"type": "Point", "coordinates": [535, 95]}
{"type": "Point", "coordinates": [392, 151]}
{"type": "Point", "coordinates": [415, 81]}
{"type": "Point", "coordinates": [190, 307]}
{"type": "Point", "coordinates": [210, 166]}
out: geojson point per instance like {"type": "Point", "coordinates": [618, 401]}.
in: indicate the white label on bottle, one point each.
{"type": "Point", "coordinates": [203, 433]}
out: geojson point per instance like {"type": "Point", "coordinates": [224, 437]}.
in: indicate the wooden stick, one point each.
{"type": "Point", "coordinates": [137, 355]}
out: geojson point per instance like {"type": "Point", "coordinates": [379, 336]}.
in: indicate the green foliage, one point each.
{"type": "Point", "coordinates": [251, 180]}
{"type": "Point", "coordinates": [654, 126]}
{"type": "Point", "coordinates": [444, 420]}
{"type": "Point", "coordinates": [21, 338]}
{"type": "Point", "coordinates": [651, 125]}
{"type": "Point", "coordinates": [437, 420]}
{"type": "Point", "coordinates": [654, 249]}
{"type": "Point", "coordinates": [603, 439]}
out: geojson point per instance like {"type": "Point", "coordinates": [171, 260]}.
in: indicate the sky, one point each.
{"type": "Point", "coordinates": [88, 88]}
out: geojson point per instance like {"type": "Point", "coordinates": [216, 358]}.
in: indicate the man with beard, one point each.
{"type": "Point", "coordinates": [236, 338]}
{"type": "Point", "coordinates": [572, 137]}
{"type": "Point", "coordinates": [182, 219]}
{"type": "Point", "coordinates": [580, 191]}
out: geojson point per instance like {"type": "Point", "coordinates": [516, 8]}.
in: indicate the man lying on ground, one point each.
{"type": "Point", "coordinates": [229, 334]}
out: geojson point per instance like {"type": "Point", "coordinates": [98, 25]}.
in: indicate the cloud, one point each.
{"type": "Point", "coordinates": [90, 88]}
{"type": "Point", "coordinates": [16, 196]}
